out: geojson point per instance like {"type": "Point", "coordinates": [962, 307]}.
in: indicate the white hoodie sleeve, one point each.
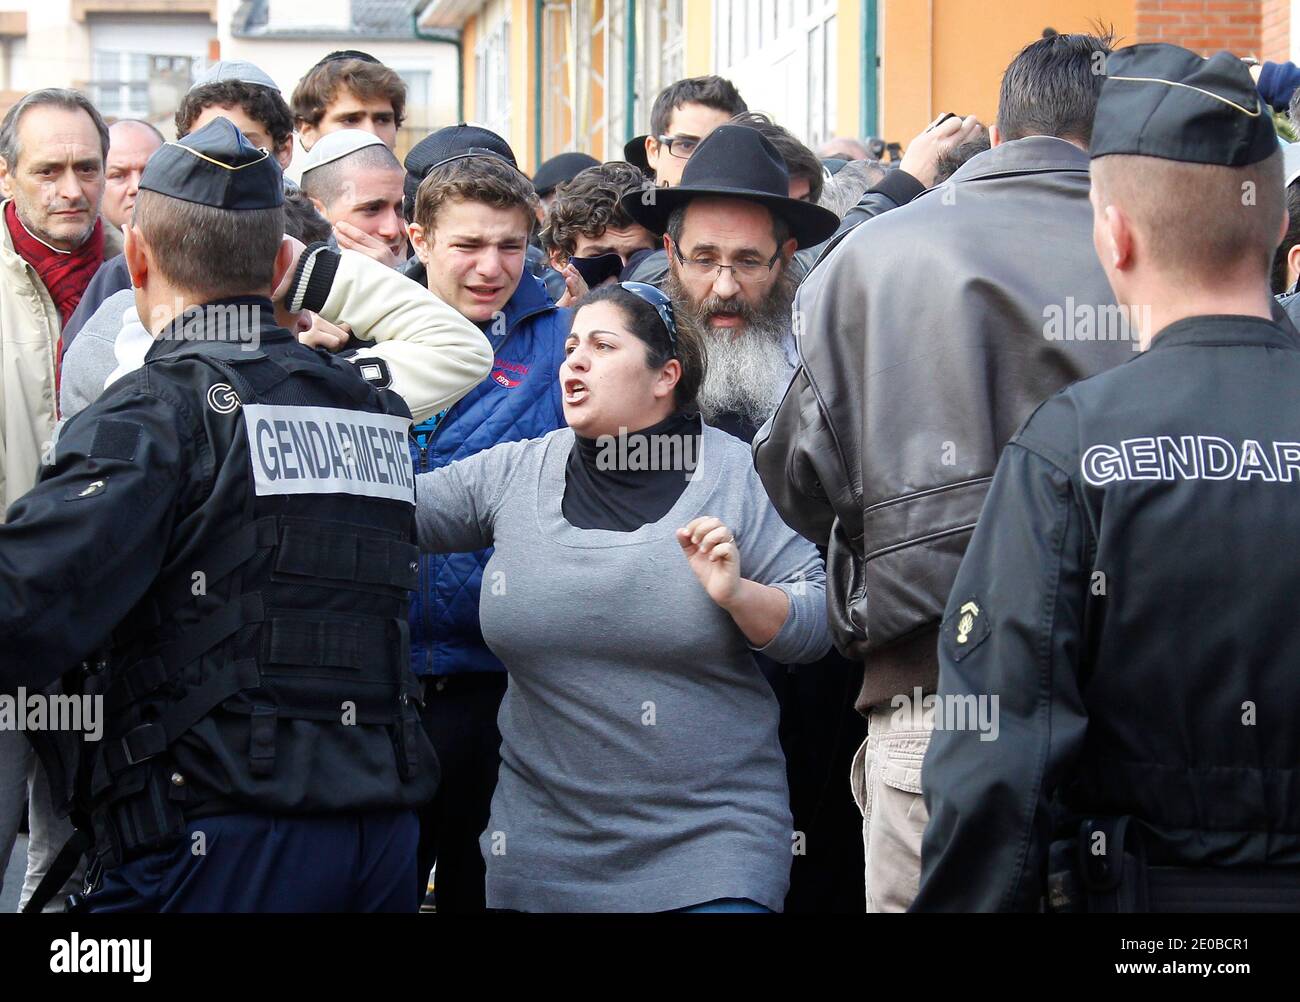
{"type": "Point", "coordinates": [434, 355]}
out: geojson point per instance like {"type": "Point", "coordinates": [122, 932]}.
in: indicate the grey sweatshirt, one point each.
{"type": "Point", "coordinates": [640, 767]}
{"type": "Point", "coordinates": [91, 358]}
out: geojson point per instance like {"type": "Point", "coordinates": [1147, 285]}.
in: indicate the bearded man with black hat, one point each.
{"type": "Point", "coordinates": [221, 553]}
{"type": "Point", "coordinates": [730, 230]}
{"type": "Point", "coordinates": [1118, 605]}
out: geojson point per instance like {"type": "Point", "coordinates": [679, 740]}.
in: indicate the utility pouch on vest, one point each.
{"type": "Point", "coordinates": [1102, 869]}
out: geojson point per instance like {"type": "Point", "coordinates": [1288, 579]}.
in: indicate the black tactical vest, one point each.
{"type": "Point", "coordinates": [268, 669]}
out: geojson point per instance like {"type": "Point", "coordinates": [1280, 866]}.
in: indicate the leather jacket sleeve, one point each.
{"type": "Point", "coordinates": [796, 455]}
{"type": "Point", "coordinates": [1012, 633]}
{"type": "Point", "coordinates": [895, 189]}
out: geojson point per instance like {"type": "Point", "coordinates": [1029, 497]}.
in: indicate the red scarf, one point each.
{"type": "Point", "coordinates": [64, 274]}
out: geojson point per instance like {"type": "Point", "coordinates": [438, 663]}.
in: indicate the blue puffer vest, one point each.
{"type": "Point", "coordinates": [520, 399]}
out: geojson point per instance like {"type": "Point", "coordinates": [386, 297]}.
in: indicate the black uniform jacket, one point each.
{"type": "Point", "coordinates": [129, 492]}
{"type": "Point", "coordinates": [1128, 599]}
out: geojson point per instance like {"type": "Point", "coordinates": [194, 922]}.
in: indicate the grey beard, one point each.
{"type": "Point", "coordinates": [745, 375]}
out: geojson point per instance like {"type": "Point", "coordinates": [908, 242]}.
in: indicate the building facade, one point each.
{"type": "Point", "coordinates": [137, 58]}
{"type": "Point", "coordinates": [556, 75]}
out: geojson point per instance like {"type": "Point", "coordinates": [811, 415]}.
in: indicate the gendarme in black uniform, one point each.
{"type": "Point", "coordinates": [227, 536]}
{"type": "Point", "coordinates": [1125, 597]}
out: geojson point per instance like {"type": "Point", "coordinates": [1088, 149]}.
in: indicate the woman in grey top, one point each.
{"type": "Point", "coordinates": [640, 767]}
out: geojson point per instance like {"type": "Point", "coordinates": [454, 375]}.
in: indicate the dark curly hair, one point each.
{"type": "Point", "coordinates": [261, 104]}
{"type": "Point", "coordinates": [589, 205]}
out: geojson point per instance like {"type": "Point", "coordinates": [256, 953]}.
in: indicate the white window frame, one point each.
{"type": "Point", "coordinates": [492, 78]}
{"type": "Point", "coordinates": [781, 76]}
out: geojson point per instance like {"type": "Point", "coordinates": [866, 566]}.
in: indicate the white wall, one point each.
{"type": "Point", "coordinates": [155, 35]}
{"type": "Point", "coordinates": [57, 50]}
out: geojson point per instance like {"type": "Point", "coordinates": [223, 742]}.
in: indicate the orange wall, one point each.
{"type": "Point", "coordinates": [949, 55]}
{"type": "Point", "coordinates": [522, 100]}
{"type": "Point", "coordinates": [697, 22]}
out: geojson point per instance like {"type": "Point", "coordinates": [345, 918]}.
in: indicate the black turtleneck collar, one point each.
{"type": "Point", "coordinates": [605, 486]}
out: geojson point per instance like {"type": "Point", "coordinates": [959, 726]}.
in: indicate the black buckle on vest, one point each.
{"type": "Point", "coordinates": [261, 740]}
{"type": "Point", "coordinates": [143, 743]}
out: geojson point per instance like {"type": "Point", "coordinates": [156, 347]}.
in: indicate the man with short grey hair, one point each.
{"type": "Point", "coordinates": [53, 144]}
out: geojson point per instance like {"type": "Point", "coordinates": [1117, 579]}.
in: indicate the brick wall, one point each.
{"type": "Point", "coordinates": [1206, 26]}
{"type": "Point", "coordinates": [1275, 30]}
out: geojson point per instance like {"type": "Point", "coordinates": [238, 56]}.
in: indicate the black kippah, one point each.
{"type": "Point", "coordinates": [342, 54]}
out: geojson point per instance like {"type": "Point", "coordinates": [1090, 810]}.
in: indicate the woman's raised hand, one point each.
{"type": "Point", "coordinates": [711, 550]}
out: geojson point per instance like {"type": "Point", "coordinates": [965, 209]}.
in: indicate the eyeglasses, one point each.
{"type": "Point", "coordinates": [680, 147]}
{"type": "Point", "coordinates": [661, 303]}
{"type": "Point", "coordinates": [748, 272]}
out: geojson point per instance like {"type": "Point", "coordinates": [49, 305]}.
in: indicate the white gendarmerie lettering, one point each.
{"type": "Point", "coordinates": [1102, 464]}
{"type": "Point", "coordinates": [328, 450]}
{"type": "Point", "coordinates": [1191, 457]}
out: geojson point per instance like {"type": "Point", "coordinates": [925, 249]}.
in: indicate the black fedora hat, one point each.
{"type": "Point", "coordinates": [734, 161]}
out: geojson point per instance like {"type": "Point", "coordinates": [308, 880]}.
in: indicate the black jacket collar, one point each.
{"type": "Point", "coordinates": [1226, 329]}
{"type": "Point", "coordinates": [230, 320]}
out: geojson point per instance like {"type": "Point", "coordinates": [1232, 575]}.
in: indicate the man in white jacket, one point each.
{"type": "Point", "coordinates": [400, 322]}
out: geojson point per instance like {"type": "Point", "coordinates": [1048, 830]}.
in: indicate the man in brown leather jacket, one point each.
{"type": "Point", "coordinates": [926, 337]}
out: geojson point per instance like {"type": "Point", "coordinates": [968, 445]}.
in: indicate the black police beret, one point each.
{"type": "Point", "coordinates": [216, 166]}
{"type": "Point", "coordinates": [1163, 101]}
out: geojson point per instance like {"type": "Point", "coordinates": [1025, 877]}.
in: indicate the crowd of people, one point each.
{"type": "Point", "coordinates": [733, 469]}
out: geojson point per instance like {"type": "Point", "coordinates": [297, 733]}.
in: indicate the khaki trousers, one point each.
{"type": "Point", "coordinates": [886, 782]}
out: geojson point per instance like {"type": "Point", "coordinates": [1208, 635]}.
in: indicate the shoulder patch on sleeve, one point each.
{"type": "Point", "coordinates": [94, 489]}
{"type": "Point", "coordinates": [115, 440]}
{"type": "Point", "coordinates": [965, 629]}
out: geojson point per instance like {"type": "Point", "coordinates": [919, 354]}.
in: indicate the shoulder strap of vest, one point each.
{"type": "Point", "coordinates": [251, 377]}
